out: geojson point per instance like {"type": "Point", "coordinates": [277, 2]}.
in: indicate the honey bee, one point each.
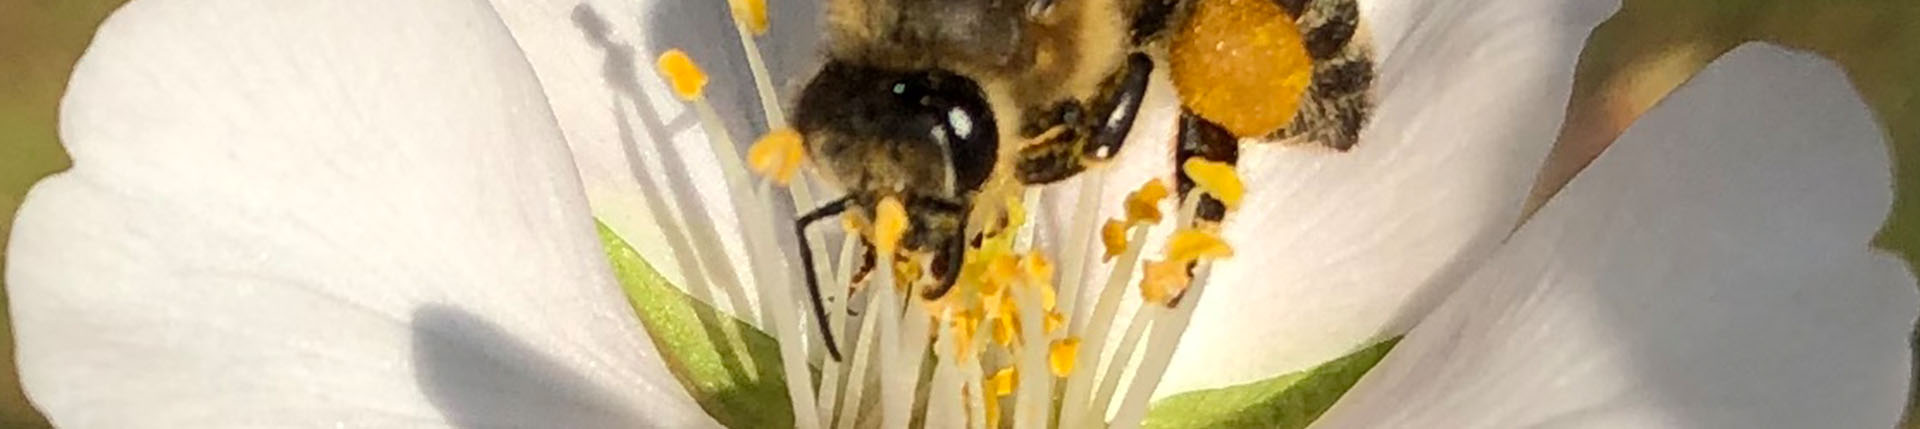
{"type": "Point", "coordinates": [951, 105]}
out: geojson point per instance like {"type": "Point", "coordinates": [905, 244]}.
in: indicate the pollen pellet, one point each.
{"type": "Point", "coordinates": [683, 74]}
{"type": "Point", "coordinates": [1061, 357]}
{"type": "Point", "coordinates": [1217, 179]}
{"type": "Point", "coordinates": [1143, 205]}
{"type": "Point", "coordinates": [777, 156]}
{"type": "Point", "coordinates": [1241, 64]}
{"type": "Point", "coordinates": [1188, 245]}
{"type": "Point", "coordinates": [889, 224]}
{"type": "Point", "coordinates": [1114, 236]}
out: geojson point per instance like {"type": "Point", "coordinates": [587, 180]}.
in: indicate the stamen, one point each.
{"type": "Point", "coordinates": [750, 19]}
{"type": "Point", "coordinates": [892, 405]}
{"type": "Point", "coordinates": [910, 357]}
{"type": "Point", "coordinates": [1024, 241]}
{"type": "Point", "coordinates": [1166, 336]}
{"type": "Point", "coordinates": [777, 156]}
{"type": "Point", "coordinates": [1217, 179]}
{"type": "Point", "coordinates": [1165, 282]}
{"type": "Point", "coordinates": [1117, 366]}
{"type": "Point", "coordinates": [1143, 211]}
{"type": "Point", "coordinates": [1003, 383]}
{"type": "Point", "coordinates": [863, 352]}
{"type": "Point", "coordinates": [832, 373]}
{"type": "Point", "coordinates": [1062, 356]}
{"type": "Point", "coordinates": [889, 224]}
{"type": "Point", "coordinates": [1075, 405]}
{"type": "Point", "coordinates": [751, 14]}
{"type": "Point", "coordinates": [1031, 405]}
{"type": "Point", "coordinates": [1189, 245]}
{"type": "Point", "coordinates": [1074, 250]}
{"type": "Point", "coordinates": [970, 372]}
{"type": "Point", "coordinates": [1114, 235]}
{"type": "Point", "coordinates": [945, 397]}
{"type": "Point", "coordinates": [1143, 205]}
{"type": "Point", "coordinates": [688, 81]}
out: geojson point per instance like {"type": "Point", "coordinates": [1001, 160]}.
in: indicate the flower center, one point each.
{"type": "Point", "coordinates": [1005, 346]}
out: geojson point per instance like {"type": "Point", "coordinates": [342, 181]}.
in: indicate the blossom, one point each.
{"type": "Point", "coordinates": [369, 214]}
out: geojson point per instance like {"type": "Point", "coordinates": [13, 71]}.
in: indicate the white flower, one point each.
{"type": "Point", "coordinates": [360, 213]}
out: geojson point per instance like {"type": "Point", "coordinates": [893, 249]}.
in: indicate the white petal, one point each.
{"type": "Point", "coordinates": [1711, 269]}
{"type": "Point", "coordinates": [640, 150]}
{"type": "Point", "coordinates": [342, 213]}
{"type": "Point", "coordinates": [1338, 250]}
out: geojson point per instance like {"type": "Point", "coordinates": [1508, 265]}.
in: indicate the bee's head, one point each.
{"type": "Point", "coordinates": [926, 132]}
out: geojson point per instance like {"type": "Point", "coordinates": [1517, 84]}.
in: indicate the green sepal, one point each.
{"type": "Point", "coordinates": [1288, 401]}
{"type": "Point", "coordinates": [700, 344]}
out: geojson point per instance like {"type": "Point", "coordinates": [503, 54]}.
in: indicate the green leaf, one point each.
{"type": "Point", "coordinates": [702, 346]}
{"type": "Point", "coordinates": [1285, 402]}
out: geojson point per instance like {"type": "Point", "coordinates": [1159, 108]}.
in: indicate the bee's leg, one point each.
{"type": "Point", "coordinates": [1206, 140]}
{"type": "Point", "coordinates": [867, 260]}
{"type": "Point", "coordinates": [813, 279]}
{"type": "Point", "coordinates": [1074, 136]}
{"type": "Point", "coordinates": [1339, 100]}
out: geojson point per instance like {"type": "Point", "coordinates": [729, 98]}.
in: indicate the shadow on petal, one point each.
{"type": "Point", "coordinates": [632, 102]}
{"type": "Point", "coordinates": [479, 376]}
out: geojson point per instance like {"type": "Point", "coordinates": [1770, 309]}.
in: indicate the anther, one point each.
{"type": "Point", "coordinates": [777, 156]}
{"type": "Point", "coordinates": [1217, 179]}
{"type": "Point", "coordinates": [685, 76]}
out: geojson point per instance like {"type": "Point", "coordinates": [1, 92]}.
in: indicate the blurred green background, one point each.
{"type": "Point", "coordinates": [1634, 59]}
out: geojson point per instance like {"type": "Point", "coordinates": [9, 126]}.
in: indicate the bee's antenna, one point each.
{"type": "Point", "coordinates": [832, 208]}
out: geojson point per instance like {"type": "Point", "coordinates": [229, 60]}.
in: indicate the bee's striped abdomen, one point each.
{"type": "Point", "coordinates": [1339, 101]}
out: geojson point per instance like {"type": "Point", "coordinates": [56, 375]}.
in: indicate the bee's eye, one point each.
{"type": "Point", "coordinates": [924, 110]}
{"type": "Point", "coordinates": [956, 112]}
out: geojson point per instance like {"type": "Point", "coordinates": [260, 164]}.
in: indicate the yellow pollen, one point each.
{"type": "Point", "coordinates": [1055, 320]}
{"type": "Point", "coordinates": [753, 14]}
{"type": "Point", "coordinates": [1217, 179]}
{"type": "Point", "coordinates": [1002, 270]}
{"type": "Point", "coordinates": [890, 223]}
{"type": "Point", "coordinates": [686, 77]}
{"type": "Point", "coordinates": [777, 156]}
{"type": "Point", "coordinates": [965, 325]}
{"type": "Point", "coordinates": [1188, 245]}
{"type": "Point", "coordinates": [1061, 356]}
{"type": "Point", "coordinates": [1004, 381]}
{"type": "Point", "coordinates": [1016, 212]}
{"type": "Point", "coordinates": [1114, 236]}
{"type": "Point", "coordinates": [1005, 327]}
{"type": "Point", "coordinates": [854, 223]}
{"type": "Point", "coordinates": [1164, 281]}
{"type": "Point", "coordinates": [1143, 205]}
{"type": "Point", "coordinates": [1039, 273]}
{"type": "Point", "coordinates": [1047, 296]}
{"type": "Point", "coordinates": [905, 272]}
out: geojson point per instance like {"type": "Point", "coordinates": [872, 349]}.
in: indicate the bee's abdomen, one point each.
{"type": "Point", "coordinates": [1340, 99]}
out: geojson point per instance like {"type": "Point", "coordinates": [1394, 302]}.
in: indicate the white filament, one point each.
{"type": "Point", "coordinates": [767, 271]}
{"type": "Point", "coordinates": [1079, 237]}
